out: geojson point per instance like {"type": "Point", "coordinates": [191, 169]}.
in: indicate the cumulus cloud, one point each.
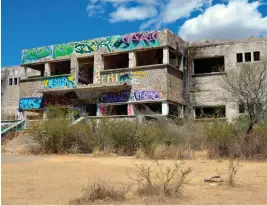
{"type": "Point", "coordinates": [237, 19]}
{"type": "Point", "coordinates": [132, 14]}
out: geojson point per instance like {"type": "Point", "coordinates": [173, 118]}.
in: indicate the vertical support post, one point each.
{"type": "Point", "coordinates": [130, 109]}
{"type": "Point", "coordinates": [47, 71]}
{"type": "Point", "coordinates": [98, 113]}
{"type": "Point", "coordinates": [165, 108]}
{"type": "Point", "coordinates": [74, 69]}
{"type": "Point", "coordinates": [98, 66]}
{"type": "Point", "coordinates": [166, 55]}
{"type": "Point", "coordinates": [132, 59]}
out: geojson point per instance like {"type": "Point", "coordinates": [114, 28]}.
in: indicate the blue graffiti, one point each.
{"type": "Point", "coordinates": [57, 82]}
{"type": "Point", "coordinates": [111, 97]}
{"type": "Point", "coordinates": [30, 103]}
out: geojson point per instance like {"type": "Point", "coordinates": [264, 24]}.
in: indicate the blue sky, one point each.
{"type": "Point", "coordinates": [33, 23]}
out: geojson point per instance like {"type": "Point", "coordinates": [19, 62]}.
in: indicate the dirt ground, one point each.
{"type": "Point", "coordinates": [57, 179]}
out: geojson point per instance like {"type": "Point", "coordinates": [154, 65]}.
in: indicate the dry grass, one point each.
{"type": "Point", "coordinates": [100, 191]}
{"type": "Point", "coordinates": [233, 168]}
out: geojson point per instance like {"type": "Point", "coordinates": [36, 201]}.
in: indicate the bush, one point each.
{"type": "Point", "coordinates": [157, 180]}
{"type": "Point", "coordinates": [101, 190]}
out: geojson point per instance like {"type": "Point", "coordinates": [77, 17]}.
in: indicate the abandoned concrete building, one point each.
{"type": "Point", "coordinates": [143, 73]}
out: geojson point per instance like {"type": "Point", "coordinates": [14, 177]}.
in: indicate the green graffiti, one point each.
{"type": "Point", "coordinates": [36, 54]}
{"type": "Point", "coordinates": [63, 50]}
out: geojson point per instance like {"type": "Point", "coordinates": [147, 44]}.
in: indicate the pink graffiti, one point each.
{"type": "Point", "coordinates": [142, 36]}
{"type": "Point", "coordinates": [130, 109]}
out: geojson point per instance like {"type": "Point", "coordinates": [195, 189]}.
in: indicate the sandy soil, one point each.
{"type": "Point", "coordinates": [57, 179]}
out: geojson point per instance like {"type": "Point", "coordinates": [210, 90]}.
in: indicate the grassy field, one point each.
{"type": "Point", "coordinates": [58, 179]}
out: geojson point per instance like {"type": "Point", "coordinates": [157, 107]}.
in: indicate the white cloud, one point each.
{"type": "Point", "coordinates": [132, 14]}
{"type": "Point", "coordinates": [238, 19]}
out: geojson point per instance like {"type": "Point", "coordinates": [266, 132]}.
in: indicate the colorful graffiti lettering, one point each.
{"type": "Point", "coordinates": [30, 103]}
{"type": "Point", "coordinates": [146, 95]}
{"type": "Point", "coordinates": [66, 100]}
{"type": "Point", "coordinates": [137, 40]}
{"type": "Point", "coordinates": [36, 54]}
{"type": "Point", "coordinates": [63, 50]}
{"type": "Point", "coordinates": [112, 43]}
{"type": "Point", "coordinates": [94, 45]}
{"type": "Point", "coordinates": [139, 74]}
{"type": "Point", "coordinates": [111, 97]}
{"type": "Point", "coordinates": [58, 82]}
{"type": "Point", "coordinates": [115, 77]}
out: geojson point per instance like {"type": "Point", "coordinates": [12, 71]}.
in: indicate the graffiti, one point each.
{"type": "Point", "coordinates": [30, 103]}
{"type": "Point", "coordinates": [36, 54]}
{"type": "Point", "coordinates": [147, 95]}
{"type": "Point", "coordinates": [137, 40]}
{"type": "Point", "coordinates": [102, 110]}
{"type": "Point", "coordinates": [90, 46]}
{"type": "Point", "coordinates": [111, 97]}
{"type": "Point", "coordinates": [63, 50]}
{"type": "Point", "coordinates": [58, 82]}
{"type": "Point", "coordinates": [115, 77]}
{"type": "Point", "coordinates": [85, 76]}
{"type": "Point", "coordinates": [139, 74]}
{"type": "Point", "coordinates": [130, 109]}
{"type": "Point", "coordinates": [111, 43]}
{"type": "Point", "coordinates": [65, 100]}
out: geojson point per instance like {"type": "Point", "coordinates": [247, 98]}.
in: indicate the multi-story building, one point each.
{"type": "Point", "coordinates": [133, 74]}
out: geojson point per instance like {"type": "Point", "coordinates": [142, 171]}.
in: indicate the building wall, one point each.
{"type": "Point", "coordinates": [206, 89]}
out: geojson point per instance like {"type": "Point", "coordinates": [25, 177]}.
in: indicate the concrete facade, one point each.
{"type": "Point", "coordinates": [140, 73]}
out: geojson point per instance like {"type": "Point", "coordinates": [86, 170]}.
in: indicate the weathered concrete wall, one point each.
{"type": "Point", "coordinates": [11, 93]}
{"type": "Point", "coordinates": [175, 85]}
{"type": "Point", "coordinates": [207, 89]}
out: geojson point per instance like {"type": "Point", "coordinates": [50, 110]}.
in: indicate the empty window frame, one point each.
{"type": "Point", "coordinates": [239, 57]}
{"type": "Point", "coordinates": [15, 81]}
{"type": "Point", "coordinates": [59, 68]}
{"type": "Point", "coordinates": [241, 108]}
{"type": "Point", "coordinates": [256, 56]}
{"type": "Point", "coordinates": [116, 61]}
{"type": "Point", "coordinates": [10, 82]}
{"type": "Point", "coordinates": [86, 71]}
{"type": "Point", "coordinates": [208, 65]}
{"type": "Point", "coordinates": [210, 112]}
{"type": "Point", "coordinates": [148, 108]}
{"type": "Point", "coordinates": [149, 57]}
{"type": "Point", "coordinates": [110, 110]}
{"type": "Point", "coordinates": [248, 57]}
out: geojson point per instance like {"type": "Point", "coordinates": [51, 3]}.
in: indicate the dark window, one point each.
{"type": "Point", "coordinates": [15, 81]}
{"type": "Point", "coordinates": [248, 57]}
{"type": "Point", "coordinates": [208, 65]}
{"type": "Point", "coordinates": [10, 81]}
{"type": "Point", "coordinates": [116, 61]}
{"type": "Point", "coordinates": [173, 110]}
{"type": "Point", "coordinates": [256, 55]}
{"type": "Point", "coordinates": [110, 110]}
{"type": "Point", "coordinates": [149, 57]}
{"type": "Point", "coordinates": [91, 109]}
{"type": "Point", "coordinates": [241, 108]}
{"type": "Point", "coordinates": [210, 112]}
{"type": "Point", "coordinates": [239, 57]}
{"type": "Point", "coordinates": [148, 108]}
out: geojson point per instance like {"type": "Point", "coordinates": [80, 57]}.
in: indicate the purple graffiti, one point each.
{"type": "Point", "coordinates": [143, 36]}
{"type": "Point", "coordinates": [147, 95]}
{"type": "Point", "coordinates": [111, 97]}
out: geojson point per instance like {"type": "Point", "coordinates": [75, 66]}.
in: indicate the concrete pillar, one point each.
{"type": "Point", "coordinates": [74, 69]}
{"type": "Point", "coordinates": [130, 109]}
{"type": "Point", "coordinates": [98, 66]}
{"type": "Point", "coordinates": [47, 71]}
{"type": "Point", "coordinates": [166, 55]}
{"type": "Point", "coordinates": [24, 73]}
{"type": "Point", "coordinates": [98, 113]}
{"type": "Point", "coordinates": [132, 59]}
{"type": "Point", "coordinates": [165, 108]}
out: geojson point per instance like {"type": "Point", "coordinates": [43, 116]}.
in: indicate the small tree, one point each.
{"type": "Point", "coordinates": [248, 86]}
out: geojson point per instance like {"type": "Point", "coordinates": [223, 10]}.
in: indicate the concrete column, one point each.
{"type": "Point", "coordinates": [98, 66]}
{"type": "Point", "coordinates": [98, 113]}
{"type": "Point", "coordinates": [47, 71]}
{"type": "Point", "coordinates": [132, 59]}
{"type": "Point", "coordinates": [24, 73]}
{"type": "Point", "coordinates": [130, 109]}
{"type": "Point", "coordinates": [165, 108]}
{"type": "Point", "coordinates": [74, 69]}
{"type": "Point", "coordinates": [166, 55]}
